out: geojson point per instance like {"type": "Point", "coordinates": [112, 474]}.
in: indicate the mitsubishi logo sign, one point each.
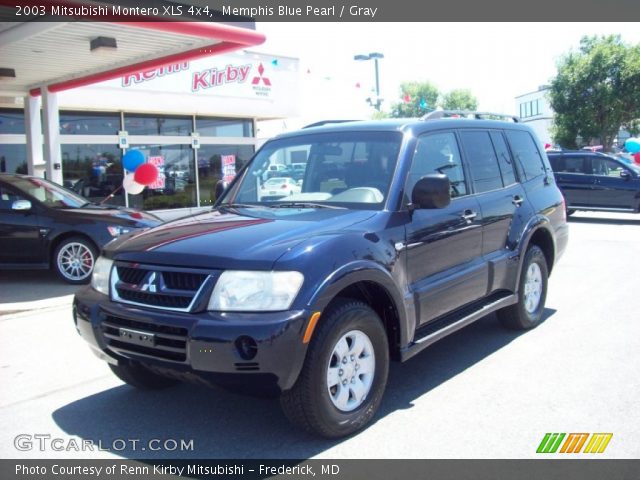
{"type": "Point", "coordinates": [151, 284]}
{"type": "Point", "coordinates": [265, 80]}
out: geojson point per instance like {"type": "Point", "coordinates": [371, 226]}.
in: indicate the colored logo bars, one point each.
{"type": "Point", "coordinates": [574, 443]}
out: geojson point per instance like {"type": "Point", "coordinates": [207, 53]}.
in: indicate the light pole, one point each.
{"type": "Point", "coordinates": [375, 56]}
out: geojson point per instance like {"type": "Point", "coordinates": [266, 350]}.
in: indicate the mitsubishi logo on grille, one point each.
{"type": "Point", "coordinates": [151, 283]}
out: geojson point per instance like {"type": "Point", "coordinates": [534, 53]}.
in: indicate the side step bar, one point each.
{"type": "Point", "coordinates": [446, 326]}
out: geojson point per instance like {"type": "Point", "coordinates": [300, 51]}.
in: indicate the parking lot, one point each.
{"type": "Point", "coordinates": [483, 392]}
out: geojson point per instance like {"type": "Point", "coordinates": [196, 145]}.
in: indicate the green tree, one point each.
{"type": "Point", "coordinates": [460, 99]}
{"type": "Point", "coordinates": [418, 98]}
{"type": "Point", "coordinates": [596, 91]}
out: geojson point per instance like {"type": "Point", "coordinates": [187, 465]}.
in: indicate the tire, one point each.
{"type": "Point", "coordinates": [140, 377]}
{"type": "Point", "coordinates": [320, 406]}
{"type": "Point", "coordinates": [532, 293]}
{"type": "Point", "coordinates": [73, 260]}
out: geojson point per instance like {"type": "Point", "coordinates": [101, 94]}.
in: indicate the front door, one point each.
{"type": "Point", "coordinates": [445, 268]}
{"type": "Point", "coordinates": [20, 239]}
{"type": "Point", "coordinates": [610, 190]}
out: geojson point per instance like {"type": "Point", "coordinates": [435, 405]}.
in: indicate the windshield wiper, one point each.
{"type": "Point", "coordinates": [306, 205]}
{"type": "Point", "coordinates": [227, 206]}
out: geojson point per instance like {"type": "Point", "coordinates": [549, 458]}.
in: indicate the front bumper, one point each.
{"type": "Point", "coordinates": [253, 352]}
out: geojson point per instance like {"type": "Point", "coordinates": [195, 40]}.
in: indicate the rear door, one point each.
{"type": "Point", "coordinates": [445, 267]}
{"type": "Point", "coordinates": [500, 196]}
{"type": "Point", "coordinates": [573, 177]}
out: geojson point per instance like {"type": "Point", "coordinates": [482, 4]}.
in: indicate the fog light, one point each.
{"type": "Point", "coordinates": [247, 347]}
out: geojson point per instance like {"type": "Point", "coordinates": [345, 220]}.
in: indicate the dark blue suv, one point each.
{"type": "Point", "coordinates": [595, 181]}
{"type": "Point", "coordinates": [403, 232]}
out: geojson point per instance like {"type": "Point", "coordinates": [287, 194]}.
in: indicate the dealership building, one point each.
{"type": "Point", "coordinates": [189, 112]}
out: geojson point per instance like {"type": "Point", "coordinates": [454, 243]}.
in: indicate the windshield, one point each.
{"type": "Point", "coordinates": [344, 169]}
{"type": "Point", "coordinates": [48, 193]}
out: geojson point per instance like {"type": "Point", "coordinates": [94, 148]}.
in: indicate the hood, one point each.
{"type": "Point", "coordinates": [246, 239]}
{"type": "Point", "coordinates": [119, 215]}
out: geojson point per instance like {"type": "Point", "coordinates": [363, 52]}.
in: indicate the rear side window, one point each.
{"type": "Point", "coordinates": [438, 153]}
{"type": "Point", "coordinates": [482, 160]}
{"type": "Point", "coordinates": [526, 154]}
{"type": "Point", "coordinates": [568, 164]}
{"type": "Point", "coordinates": [504, 159]}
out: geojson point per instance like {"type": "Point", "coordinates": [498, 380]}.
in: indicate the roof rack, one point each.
{"type": "Point", "coordinates": [468, 114]}
{"type": "Point", "coordinates": [326, 122]}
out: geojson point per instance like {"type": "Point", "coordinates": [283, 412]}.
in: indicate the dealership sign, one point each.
{"type": "Point", "coordinates": [239, 79]}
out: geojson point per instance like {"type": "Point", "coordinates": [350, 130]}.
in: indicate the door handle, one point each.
{"type": "Point", "coordinates": [469, 215]}
{"type": "Point", "coordinates": [517, 200]}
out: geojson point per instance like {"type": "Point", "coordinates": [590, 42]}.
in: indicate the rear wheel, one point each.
{"type": "Point", "coordinates": [532, 293]}
{"type": "Point", "coordinates": [140, 377]}
{"type": "Point", "coordinates": [344, 375]}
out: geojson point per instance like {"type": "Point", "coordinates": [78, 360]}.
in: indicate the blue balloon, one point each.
{"type": "Point", "coordinates": [632, 145]}
{"type": "Point", "coordinates": [132, 160]}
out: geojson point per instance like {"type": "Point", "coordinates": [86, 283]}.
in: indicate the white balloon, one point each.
{"type": "Point", "coordinates": [131, 186]}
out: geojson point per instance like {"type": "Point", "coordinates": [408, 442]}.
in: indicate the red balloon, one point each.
{"type": "Point", "coordinates": [146, 174]}
{"type": "Point", "coordinates": [636, 158]}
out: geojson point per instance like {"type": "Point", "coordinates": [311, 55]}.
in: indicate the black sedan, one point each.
{"type": "Point", "coordinates": [43, 225]}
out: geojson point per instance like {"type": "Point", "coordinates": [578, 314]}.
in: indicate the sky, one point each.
{"type": "Point", "coordinates": [496, 61]}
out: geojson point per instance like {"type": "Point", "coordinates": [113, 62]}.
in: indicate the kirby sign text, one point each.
{"type": "Point", "coordinates": [213, 77]}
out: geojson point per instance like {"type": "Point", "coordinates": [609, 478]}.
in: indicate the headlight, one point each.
{"type": "Point", "coordinates": [100, 277]}
{"type": "Point", "coordinates": [117, 230]}
{"type": "Point", "coordinates": [243, 291]}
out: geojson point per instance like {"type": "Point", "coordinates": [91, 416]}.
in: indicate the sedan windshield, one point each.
{"type": "Point", "coordinates": [50, 194]}
{"type": "Point", "coordinates": [345, 169]}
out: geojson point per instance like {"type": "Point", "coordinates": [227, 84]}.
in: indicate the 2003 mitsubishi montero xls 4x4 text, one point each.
{"type": "Point", "coordinates": [401, 232]}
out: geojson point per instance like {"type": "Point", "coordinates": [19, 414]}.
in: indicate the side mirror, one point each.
{"type": "Point", "coordinates": [625, 175]}
{"type": "Point", "coordinates": [432, 191]}
{"type": "Point", "coordinates": [22, 205]}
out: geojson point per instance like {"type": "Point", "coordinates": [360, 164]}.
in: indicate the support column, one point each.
{"type": "Point", "coordinates": [33, 131]}
{"type": "Point", "coordinates": [52, 152]}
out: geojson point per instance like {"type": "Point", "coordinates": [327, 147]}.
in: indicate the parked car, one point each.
{"type": "Point", "coordinates": [404, 231]}
{"type": "Point", "coordinates": [278, 187]}
{"type": "Point", "coordinates": [595, 181]}
{"type": "Point", "coordinates": [278, 170]}
{"type": "Point", "coordinates": [43, 225]}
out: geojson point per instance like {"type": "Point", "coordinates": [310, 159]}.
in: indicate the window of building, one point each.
{"type": "Point", "coordinates": [482, 160]}
{"type": "Point", "coordinates": [13, 158]}
{"type": "Point", "coordinates": [11, 121]}
{"type": "Point", "coordinates": [176, 184]}
{"type": "Point", "coordinates": [224, 127]}
{"type": "Point", "coordinates": [86, 123]}
{"type": "Point", "coordinates": [438, 153]}
{"type": "Point", "coordinates": [210, 166]}
{"type": "Point", "coordinates": [137, 124]}
{"type": "Point", "coordinates": [526, 154]}
{"type": "Point", "coordinates": [93, 171]}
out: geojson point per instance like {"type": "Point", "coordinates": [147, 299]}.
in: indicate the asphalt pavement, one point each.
{"type": "Point", "coordinates": [483, 392]}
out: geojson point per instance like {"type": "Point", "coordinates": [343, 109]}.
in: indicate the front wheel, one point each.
{"type": "Point", "coordinates": [532, 293]}
{"type": "Point", "coordinates": [73, 260]}
{"type": "Point", "coordinates": [344, 375]}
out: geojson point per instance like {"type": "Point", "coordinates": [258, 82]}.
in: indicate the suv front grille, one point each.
{"type": "Point", "coordinates": [158, 287]}
{"type": "Point", "coordinates": [170, 343]}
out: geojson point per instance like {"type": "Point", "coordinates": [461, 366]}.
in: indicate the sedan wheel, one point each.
{"type": "Point", "coordinates": [74, 259]}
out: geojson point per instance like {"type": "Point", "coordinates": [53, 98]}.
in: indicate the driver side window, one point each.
{"type": "Point", "coordinates": [437, 153]}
